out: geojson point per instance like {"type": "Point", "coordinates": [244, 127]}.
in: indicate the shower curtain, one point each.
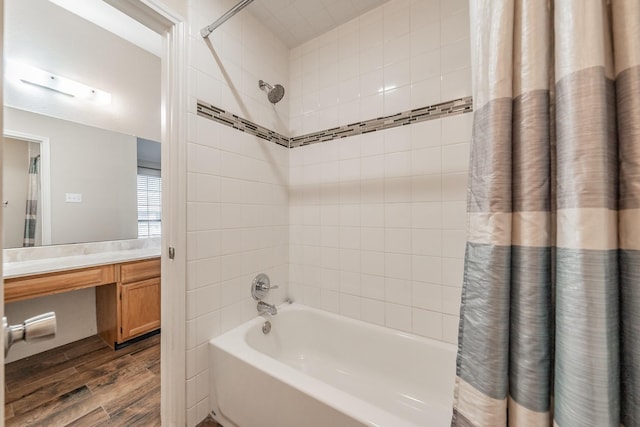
{"type": "Point", "coordinates": [31, 211]}
{"type": "Point", "coordinates": [550, 317]}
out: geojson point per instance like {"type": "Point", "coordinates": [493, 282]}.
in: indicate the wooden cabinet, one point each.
{"type": "Point", "coordinates": [140, 308]}
{"type": "Point", "coordinates": [131, 306]}
{"type": "Point", "coordinates": [127, 295]}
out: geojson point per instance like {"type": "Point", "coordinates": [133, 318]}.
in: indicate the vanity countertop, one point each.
{"type": "Point", "coordinates": [51, 265]}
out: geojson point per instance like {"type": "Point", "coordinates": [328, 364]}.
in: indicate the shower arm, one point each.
{"type": "Point", "coordinates": [235, 9]}
{"type": "Point", "coordinates": [262, 84]}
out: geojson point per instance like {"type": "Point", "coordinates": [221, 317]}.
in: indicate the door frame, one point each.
{"type": "Point", "coordinates": [157, 16]}
{"type": "Point", "coordinates": [1, 163]}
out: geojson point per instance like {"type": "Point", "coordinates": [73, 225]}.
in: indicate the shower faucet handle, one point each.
{"type": "Point", "coordinates": [260, 286]}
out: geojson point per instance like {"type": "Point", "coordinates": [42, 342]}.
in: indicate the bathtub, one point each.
{"type": "Point", "coordinates": [316, 368]}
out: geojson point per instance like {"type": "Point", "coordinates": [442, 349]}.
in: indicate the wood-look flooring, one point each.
{"type": "Point", "coordinates": [84, 384]}
{"type": "Point", "coordinates": [209, 422]}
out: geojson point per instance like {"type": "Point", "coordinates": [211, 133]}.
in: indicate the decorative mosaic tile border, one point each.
{"type": "Point", "coordinates": [219, 115]}
{"type": "Point", "coordinates": [431, 112]}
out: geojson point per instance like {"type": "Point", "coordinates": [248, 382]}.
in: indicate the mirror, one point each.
{"type": "Point", "coordinates": [73, 170]}
{"type": "Point", "coordinates": [85, 185]}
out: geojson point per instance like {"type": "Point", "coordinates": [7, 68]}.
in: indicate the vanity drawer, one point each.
{"type": "Point", "coordinates": [139, 270]}
{"type": "Point", "coordinates": [21, 288]}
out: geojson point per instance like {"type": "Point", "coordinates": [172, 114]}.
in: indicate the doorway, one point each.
{"type": "Point", "coordinates": [21, 151]}
{"type": "Point", "coordinates": [156, 16]}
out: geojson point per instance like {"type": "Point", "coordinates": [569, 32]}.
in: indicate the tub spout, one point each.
{"type": "Point", "coordinates": [264, 307]}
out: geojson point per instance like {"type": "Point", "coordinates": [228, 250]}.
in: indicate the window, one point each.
{"type": "Point", "coordinates": [149, 202]}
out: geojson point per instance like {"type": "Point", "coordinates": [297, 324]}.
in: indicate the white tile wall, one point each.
{"type": "Point", "coordinates": [370, 226]}
{"type": "Point", "coordinates": [381, 237]}
{"type": "Point", "coordinates": [237, 198]}
{"type": "Point", "coordinates": [402, 191]}
{"type": "Point", "coordinates": [402, 55]}
{"type": "Point", "coordinates": [226, 68]}
{"type": "Point", "coordinates": [237, 226]}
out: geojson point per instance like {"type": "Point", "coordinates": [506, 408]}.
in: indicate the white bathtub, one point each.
{"type": "Point", "coordinates": [320, 369]}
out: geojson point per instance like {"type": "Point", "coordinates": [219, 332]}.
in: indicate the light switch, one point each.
{"type": "Point", "coordinates": [73, 197]}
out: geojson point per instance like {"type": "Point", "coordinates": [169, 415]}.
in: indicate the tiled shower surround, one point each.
{"type": "Point", "coordinates": [372, 225]}
{"type": "Point", "coordinates": [377, 225]}
{"type": "Point", "coordinates": [403, 55]}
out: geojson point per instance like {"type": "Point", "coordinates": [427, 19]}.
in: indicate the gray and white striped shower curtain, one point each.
{"type": "Point", "coordinates": [31, 210]}
{"type": "Point", "coordinates": [550, 318]}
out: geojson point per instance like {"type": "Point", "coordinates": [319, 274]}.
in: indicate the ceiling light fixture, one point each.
{"type": "Point", "coordinates": [35, 76]}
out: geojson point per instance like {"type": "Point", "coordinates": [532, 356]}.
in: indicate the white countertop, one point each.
{"type": "Point", "coordinates": [50, 265]}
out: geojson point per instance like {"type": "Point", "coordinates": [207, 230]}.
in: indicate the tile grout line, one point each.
{"type": "Point", "coordinates": [418, 115]}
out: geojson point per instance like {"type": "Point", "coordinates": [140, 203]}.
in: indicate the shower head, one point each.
{"type": "Point", "coordinates": [274, 93]}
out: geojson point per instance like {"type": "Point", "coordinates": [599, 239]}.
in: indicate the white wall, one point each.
{"type": "Point", "coordinates": [378, 220]}
{"type": "Point", "coordinates": [43, 35]}
{"type": "Point", "coordinates": [99, 164]}
{"type": "Point", "coordinates": [237, 200]}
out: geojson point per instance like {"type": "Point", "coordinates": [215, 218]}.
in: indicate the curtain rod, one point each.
{"type": "Point", "coordinates": [235, 9]}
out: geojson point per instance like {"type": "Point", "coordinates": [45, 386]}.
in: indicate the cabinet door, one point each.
{"type": "Point", "coordinates": [140, 307]}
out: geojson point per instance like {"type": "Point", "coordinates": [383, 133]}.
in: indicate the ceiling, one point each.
{"type": "Point", "coordinates": [297, 21]}
{"type": "Point", "coordinates": [111, 19]}
{"type": "Point", "coordinates": [292, 21]}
